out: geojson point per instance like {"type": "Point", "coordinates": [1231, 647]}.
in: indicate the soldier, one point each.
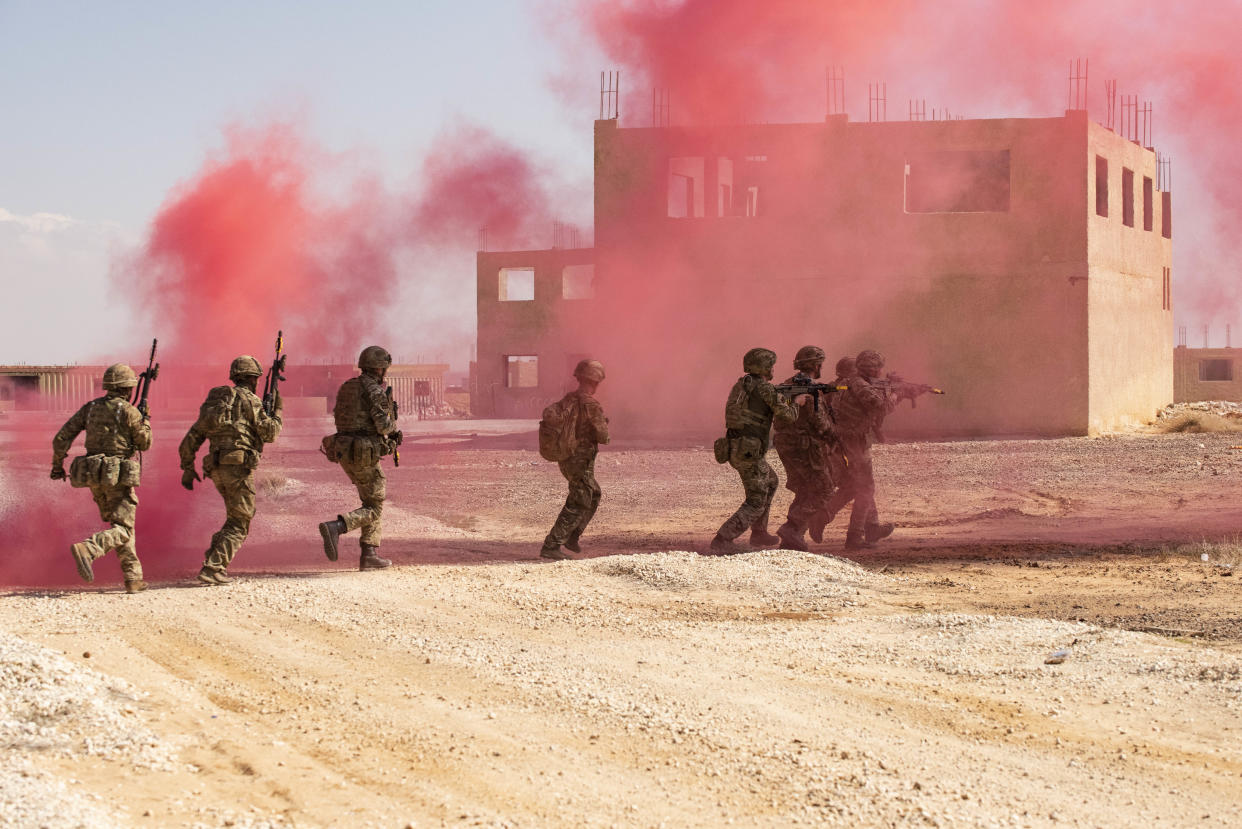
{"type": "Point", "coordinates": [804, 447]}
{"type": "Point", "coordinates": [859, 414]}
{"type": "Point", "coordinates": [232, 418]}
{"type": "Point", "coordinates": [591, 429]}
{"type": "Point", "coordinates": [115, 430]}
{"type": "Point", "coordinates": [838, 467]}
{"type": "Point", "coordinates": [366, 430]}
{"type": "Point", "coordinates": [752, 404]}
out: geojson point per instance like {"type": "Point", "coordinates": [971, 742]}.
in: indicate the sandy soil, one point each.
{"type": "Point", "coordinates": [475, 685]}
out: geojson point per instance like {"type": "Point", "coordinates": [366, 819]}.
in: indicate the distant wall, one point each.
{"type": "Point", "coordinates": [1207, 374]}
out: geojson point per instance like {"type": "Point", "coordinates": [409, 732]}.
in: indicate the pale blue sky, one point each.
{"type": "Point", "coordinates": [109, 105]}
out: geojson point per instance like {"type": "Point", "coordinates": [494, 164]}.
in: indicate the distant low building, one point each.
{"type": "Point", "coordinates": [1207, 374]}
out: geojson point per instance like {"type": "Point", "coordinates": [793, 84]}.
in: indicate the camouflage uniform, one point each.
{"type": "Point", "coordinates": [232, 418]}
{"type": "Point", "coordinates": [859, 413]}
{"type": "Point", "coordinates": [365, 416]}
{"type": "Point", "coordinates": [579, 470]}
{"type": "Point", "coordinates": [805, 448]}
{"type": "Point", "coordinates": [752, 404]}
{"type": "Point", "coordinates": [115, 429]}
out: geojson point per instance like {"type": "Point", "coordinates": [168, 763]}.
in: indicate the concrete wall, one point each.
{"type": "Point", "coordinates": [990, 305]}
{"type": "Point", "coordinates": [1130, 310]}
{"type": "Point", "coordinates": [543, 327]}
{"type": "Point", "coordinates": [1189, 384]}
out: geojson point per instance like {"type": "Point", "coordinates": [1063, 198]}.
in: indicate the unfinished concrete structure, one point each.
{"type": "Point", "coordinates": [1207, 374]}
{"type": "Point", "coordinates": [1023, 264]}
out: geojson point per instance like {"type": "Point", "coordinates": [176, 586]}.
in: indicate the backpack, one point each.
{"type": "Point", "coordinates": [558, 430]}
{"type": "Point", "coordinates": [218, 412]}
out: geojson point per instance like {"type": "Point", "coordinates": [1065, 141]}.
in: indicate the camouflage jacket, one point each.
{"type": "Point", "coordinates": [113, 427]}
{"type": "Point", "coordinates": [592, 427]}
{"type": "Point", "coordinates": [859, 411]}
{"type": "Point", "coordinates": [753, 403]}
{"type": "Point", "coordinates": [363, 409]}
{"type": "Point", "coordinates": [812, 426]}
{"type": "Point", "coordinates": [232, 417]}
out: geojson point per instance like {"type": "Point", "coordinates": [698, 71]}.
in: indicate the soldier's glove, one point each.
{"type": "Point", "coordinates": [188, 477]}
{"type": "Point", "coordinates": [58, 472]}
{"type": "Point", "coordinates": [396, 437]}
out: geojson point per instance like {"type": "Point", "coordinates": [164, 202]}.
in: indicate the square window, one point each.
{"type": "Point", "coordinates": [578, 282]}
{"type": "Point", "coordinates": [1216, 370]}
{"type": "Point", "coordinates": [517, 284]}
{"type": "Point", "coordinates": [521, 371]}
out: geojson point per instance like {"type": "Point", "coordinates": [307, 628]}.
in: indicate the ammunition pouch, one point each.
{"type": "Point", "coordinates": [244, 458]}
{"type": "Point", "coordinates": [357, 450]}
{"type": "Point", "coordinates": [104, 470]}
{"type": "Point", "coordinates": [745, 451]}
{"type": "Point", "coordinates": [721, 450]}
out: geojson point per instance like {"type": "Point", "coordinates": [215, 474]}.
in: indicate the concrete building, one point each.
{"type": "Point", "coordinates": [1207, 374]}
{"type": "Point", "coordinates": [1022, 264]}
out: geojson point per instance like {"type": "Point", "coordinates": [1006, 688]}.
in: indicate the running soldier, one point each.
{"type": "Point", "coordinates": [752, 404]}
{"type": "Point", "coordinates": [859, 414]}
{"type": "Point", "coordinates": [366, 430]}
{"type": "Point", "coordinates": [804, 447]}
{"type": "Point", "coordinates": [590, 430]}
{"type": "Point", "coordinates": [115, 430]}
{"type": "Point", "coordinates": [233, 419]}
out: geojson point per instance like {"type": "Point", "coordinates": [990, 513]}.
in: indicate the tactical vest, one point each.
{"type": "Point", "coordinates": [107, 428]}
{"type": "Point", "coordinates": [352, 412]}
{"type": "Point", "coordinates": [228, 418]}
{"type": "Point", "coordinates": [746, 413]}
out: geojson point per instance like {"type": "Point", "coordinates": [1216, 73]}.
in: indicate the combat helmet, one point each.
{"type": "Point", "coordinates": [759, 361]}
{"type": "Point", "coordinates": [245, 366]}
{"type": "Point", "coordinates": [119, 376]}
{"type": "Point", "coordinates": [374, 357]}
{"type": "Point", "coordinates": [845, 367]}
{"type": "Point", "coordinates": [590, 370]}
{"type": "Point", "coordinates": [869, 362]}
{"type": "Point", "coordinates": [808, 356]}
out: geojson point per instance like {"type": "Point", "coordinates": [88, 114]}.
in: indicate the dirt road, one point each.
{"type": "Point", "coordinates": [475, 685]}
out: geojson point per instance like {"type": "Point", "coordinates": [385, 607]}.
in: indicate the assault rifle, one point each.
{"type": "Point", "coordinates": [145, 379]}
{"type": "Point", "coordinates": [899, 388]}
{"type": "Point", "coordinates": [274, 375]}
{"type": "Point", "coordinates": [806, 385]}
{"type": "Point", "coordinates": [396, 442]}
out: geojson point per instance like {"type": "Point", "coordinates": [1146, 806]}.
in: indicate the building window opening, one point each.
{"type": "Point", "coordinates": [1127, 197]}
{"type": "Point", "coordinates": [1216, 370]}
{"type": "Point", "coordinates": [521, 371]}
{"type": "Point", "coordinates": [1147, 204]}
{"type": "Point", "coordinates": [1101, 186]}
{"type": "Point", "coordinates": [685, 188]}
{"type": "Point", "coordinates": [752, 201]}
{"type": "Point", "coordinates": [1167, 301]}
{"type": "Point", "coordinates": [958, 181]}
{"type": "Point", "coordinates": [724, 187]}
{"type": "Point", "coordinates": [1166, 214]}
{"type": "Point", "coordinates": [517, 284]}
{"type": "Point", "coordinates": [578, 282]}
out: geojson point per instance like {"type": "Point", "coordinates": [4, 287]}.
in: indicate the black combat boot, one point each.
{"type": "Point", "coordinates": [331, 530]}
{"type": "Point", "coordinates": [875, 532]}
{"type": "Point", "coordinates": [763, 538]}
{"type": "Point", "coordinates": [370, 560]}
{"type": "Point", "coordinates": [791, 538]}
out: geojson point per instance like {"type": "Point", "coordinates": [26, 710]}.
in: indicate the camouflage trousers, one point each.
{"type": "Point", "coordinates": [581, 502]}
{"type": "Point", "coordinates": [118, 505]}
{"type": "Point", "coordinates": [858, 485]}
{"type": "Point", "coordinates": [807, 476]}
{"type": "Point", "coordinates": [371, 484]}
{"type": "Point", "coordinates": [236, 486]}
{"type": "Point", "coordinates": [760, 484]}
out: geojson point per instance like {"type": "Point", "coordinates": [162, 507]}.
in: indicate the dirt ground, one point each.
{"type": "Point", "coordinates": [476, 685]}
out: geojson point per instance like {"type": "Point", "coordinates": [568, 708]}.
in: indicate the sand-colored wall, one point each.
{"type": "Point", "coordinates": [1188, 388]}
{"type": "Point", "coordinates": [1130, 318]}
